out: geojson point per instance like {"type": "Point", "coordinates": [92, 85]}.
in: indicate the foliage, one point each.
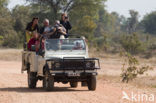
{"type": "Point", "coordinates": [3, 3]}
{"type": "Point", "coordinates": [11, 39]}
{"type": "Point", "coordinates": [132, 44]}
{"type": "Point", "coordinates": [21, 16]}
{"type": "Point", "coordinates": [131, 68]}
{"type": "Point", "coordinates": [57, 6]}
{"type": "Point", "coordinates": [149, 23]}
{"type": "Point", "coordinates": [130, 24]}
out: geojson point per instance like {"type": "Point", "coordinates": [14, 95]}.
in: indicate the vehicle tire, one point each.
{"type": "Point", "coordinates": [92, 83]}
{"type": "Point", "coordinates": [73, 84]}
{"type": "Point", "coordinates": [32, 80]}
{"type": "Point", "coordinates": [48, 82]}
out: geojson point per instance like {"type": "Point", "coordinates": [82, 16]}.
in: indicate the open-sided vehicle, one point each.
{"type": "Point", "coordinates": [61, 60]}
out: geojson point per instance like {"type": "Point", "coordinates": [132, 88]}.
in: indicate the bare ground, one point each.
{"type": "Point", "coordinates": [13, 86]}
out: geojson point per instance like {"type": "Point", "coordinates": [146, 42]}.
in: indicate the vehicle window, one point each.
{"type": "Point", "coordinates": [65, 44]}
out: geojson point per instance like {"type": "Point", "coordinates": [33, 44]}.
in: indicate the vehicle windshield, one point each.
{"type": "Point", "coordinates": [65, 44]}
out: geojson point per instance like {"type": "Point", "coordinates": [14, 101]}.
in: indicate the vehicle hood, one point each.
{"type": "Point", "coordinates": [49, 55]}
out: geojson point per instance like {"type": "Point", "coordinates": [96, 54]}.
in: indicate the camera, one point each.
{"type": "Point", "coordinates": [66, 17]}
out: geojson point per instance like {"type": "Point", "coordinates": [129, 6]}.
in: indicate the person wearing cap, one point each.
{"type": "Point", "coordinates": [31, 27]}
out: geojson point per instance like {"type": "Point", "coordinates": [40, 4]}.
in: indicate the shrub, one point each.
{"type": "Point", "coordinates": [131, 68]}
{"type": "Point", "coordinates": [132, 44]}
{"type": "Point", "coordinates": [11, 40]}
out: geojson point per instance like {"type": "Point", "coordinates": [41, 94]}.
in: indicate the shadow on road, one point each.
{"type": "Point", "coordinates": [27, 90]}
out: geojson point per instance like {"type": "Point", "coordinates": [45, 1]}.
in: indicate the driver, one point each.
{"type": "Point", "coordinates": [78, 46]}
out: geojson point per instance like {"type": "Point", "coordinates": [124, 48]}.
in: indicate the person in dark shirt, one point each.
{"type": "Point", "coordinates": [31, 27]}
{"type": "Point", "coordinates": [65, 22]}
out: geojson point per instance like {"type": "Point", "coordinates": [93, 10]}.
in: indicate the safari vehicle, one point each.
{"type": "Point", "coordinates": [61, 60]}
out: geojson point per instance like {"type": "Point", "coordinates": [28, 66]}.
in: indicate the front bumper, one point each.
{"type": "Point", "coordinates": [65, 77]}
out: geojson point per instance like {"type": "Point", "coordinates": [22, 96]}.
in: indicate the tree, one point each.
{"type": "Point", "coordinates": [85, 17]}
{"type": "Point", "coordinates": [132, 21]}
{"type": "Point", "coordinates": [149, 23]}
{"type": "Point", "coordinates": [8, 35]}
{"type": "Point", "coordinates": [5, 18]}
{"type": "Point", "coordinates": [3, 3]}
{"type": "Point", "coordinates": [132, 44]}
{"type": "Point", "coordinates": [21, 16]}
{"type": "Point", "coordinates": [104, 22]}
{"type": "Point", "coordinates": [57, 6]}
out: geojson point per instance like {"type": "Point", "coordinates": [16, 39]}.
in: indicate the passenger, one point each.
{"type": "Point", "coordinates": [33, 41]}
{"type": "Point", "coordinates": [46, 27]}
{"type": "Point", "coordinates": [78, 46]}
{"type": "Point", "coordinates": [31, 27]}
{"type": "Point", "coordinates": [47, 30]}
{"type": "Point", "coordinates": [58, 30]}
{"type": "Point", "coordinates": [40, 44]}
{"type": "Point", "coordinates": [65, 22]}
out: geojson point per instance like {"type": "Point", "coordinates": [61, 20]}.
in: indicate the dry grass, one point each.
{"type": "Point", "coordinates": [10, 54]}
{"type": "Point", "coordinates": [145, 83]}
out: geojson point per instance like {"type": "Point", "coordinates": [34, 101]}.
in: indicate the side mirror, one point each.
{"type": "Point", "coordinates": [33, 48]}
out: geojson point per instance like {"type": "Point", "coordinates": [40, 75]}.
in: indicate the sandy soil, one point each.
{"type": "Point", "coordinates": [13, 89]}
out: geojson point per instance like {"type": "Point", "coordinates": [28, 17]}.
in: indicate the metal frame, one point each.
{"type": "Point", "coordinates": [75, 59]}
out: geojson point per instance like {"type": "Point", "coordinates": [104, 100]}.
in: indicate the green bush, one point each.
{"type": "Point", "coordinates": [132, 44]}
{"type": "Point", "coordinates": [11, 40]}
{"type": "Point", "coordinates": [131, 68]}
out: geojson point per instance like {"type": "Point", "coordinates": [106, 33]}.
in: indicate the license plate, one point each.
{"type": "Point", "coordinates": [73, 74]}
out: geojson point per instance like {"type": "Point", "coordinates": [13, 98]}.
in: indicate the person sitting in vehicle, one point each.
{"type": "Point", "coordinates": [32, 41]}
{"type": "Point", "coordinates": [77, 46]}
{"type": "Point", "coordinates": [46, 27]}
{"type": "Point", "coordinates": [40, 45]}
{"type": "Point", "coordinates": [31, 27]}
{"type": "Point", "coordinates": [47, 30]}
{"type": "Point", "coordinates": [58, 30]}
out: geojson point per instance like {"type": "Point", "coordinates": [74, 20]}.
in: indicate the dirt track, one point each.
{"type": "Point", "coordinates": [13, 89]}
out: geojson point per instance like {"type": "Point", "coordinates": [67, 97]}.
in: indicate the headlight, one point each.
{"type": "Point", "coordinates": [57, 65]}
{"type": "Point", "coordinates": [90, 64]}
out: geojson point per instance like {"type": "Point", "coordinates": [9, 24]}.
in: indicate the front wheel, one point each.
{"type": "Point", "coordinates": [48, 82]}
{"type": "Point", "coordinates": [32, 80]}
{"type": "Point", "coordinates": [92, 83]}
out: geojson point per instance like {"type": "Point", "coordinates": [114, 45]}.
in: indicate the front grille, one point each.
{"type": "Point", "coordinates": [73, 65]}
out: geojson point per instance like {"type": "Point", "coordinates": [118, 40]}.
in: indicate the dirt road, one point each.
{"type": "Point", "coordinates": [13, 89]}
